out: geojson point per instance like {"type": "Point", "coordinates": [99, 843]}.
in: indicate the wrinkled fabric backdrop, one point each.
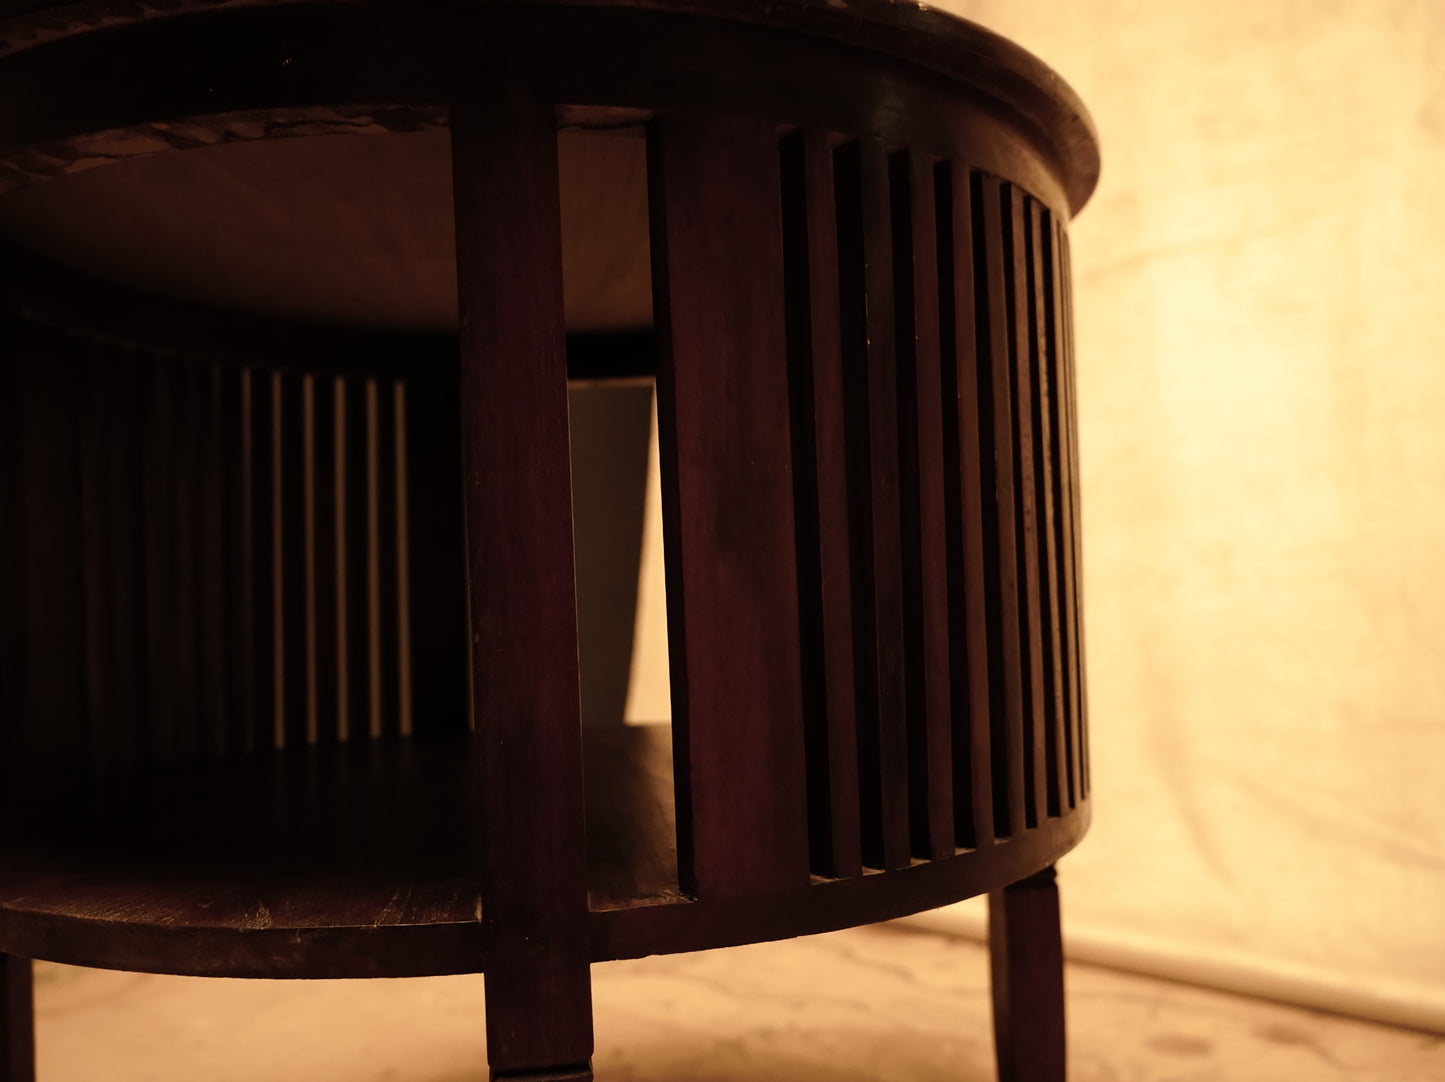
{"type": "Point", "coordinates": [1260, 322]}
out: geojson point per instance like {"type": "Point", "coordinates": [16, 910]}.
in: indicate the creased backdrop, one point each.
{"type": "Point", "coordinates": [1260, 292]}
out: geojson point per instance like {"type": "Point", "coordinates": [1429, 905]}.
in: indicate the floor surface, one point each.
{"type": "Point", "coordinates": [879, 1004]}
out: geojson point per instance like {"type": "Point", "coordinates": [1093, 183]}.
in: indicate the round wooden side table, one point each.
{"type": "Point", "coordinates": [290, 297]}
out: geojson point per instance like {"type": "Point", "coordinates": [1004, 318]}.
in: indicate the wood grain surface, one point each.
{"type": "Point", "coordinates": [725, 454]}
{"type": "Point", "coordinates": [518, 499]}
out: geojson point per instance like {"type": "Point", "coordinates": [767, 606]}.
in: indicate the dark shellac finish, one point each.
{"type": "Point", "coordinates": [289, 678]}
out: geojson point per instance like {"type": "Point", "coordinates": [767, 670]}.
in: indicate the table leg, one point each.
{"type": "Point", "coordinates": [17, 1020]}
{"type": "Point", "coordinates": [518, 506]}
{"type": "Point", "coordinates": [1026, 952]}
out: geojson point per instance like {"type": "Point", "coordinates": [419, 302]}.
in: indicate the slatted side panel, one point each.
{"type": "Point", "coordinates": [207, 560]}
{"type": "Point", "coordinates": [321, 559]}
{"type": "Point", "coordinates": [936, 503]}
{"type": "Point", "coordinates": [728, 516]}
{"type": "Point", "coordinates": [1027, 434]}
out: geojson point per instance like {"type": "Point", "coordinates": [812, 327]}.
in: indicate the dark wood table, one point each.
{"type": "Point", "coordinates": [289, 300]}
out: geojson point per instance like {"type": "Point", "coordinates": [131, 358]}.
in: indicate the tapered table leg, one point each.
{"type": "Point", "coordinates": [17, 1020]}
{"type": "Point", "coordinates": [1027, 957]}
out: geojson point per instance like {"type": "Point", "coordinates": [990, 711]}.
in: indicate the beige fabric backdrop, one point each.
{"type": "Point", "coordinates": [1261, 338]}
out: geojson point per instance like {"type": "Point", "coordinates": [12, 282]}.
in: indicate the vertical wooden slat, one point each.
{"type": "Point", "coordinates": [260, 513]}
{"type": "Point", "coordinates": [1064, 518]}
{"type": "Point", "coordinates": [1046, 463]}
{"type": "Point", "coordinates": [17, 1020]}
{"type": "Point", "coordinates": [309, 541]}
{"type": "Point", "coordinates": [401, 541]}
{"type": "Point", "coordinates": [185, 583]}
{"type": "Point", "coordinates": [728, 505]}
{"type": "Point", "coordinates": [212, 570]}
{"type": "Point", "coordinates": [382, 528]}
{"type": "Point", "coordinates": [523, 598]}
{"type": "Point", "coordinates": [354, 599]}
{"type": "Point", "coordinates": [871, 382]}
{"type": "Point", "coordinates": [439, 615]}
{"type": "Point", "coordinates": [374, 540]}
{"type": "Point", "coordinates": [239, 685]}
{"type": "Point", "coordinates": [924, 545]}
{"type": "Point", "coordinates": [1070, 382]}
{"type": "Point", "coordinates": [289, 472]}
{"type": "Point", "coordinates": [322, 691]}
{"type": "Point", "coordinates": [96, 540]}
{"type": "Point", "coordinates": [959, 391]}
{"type": "Point", "coordinates": [14, 616]}
{"type": "Point", "coordinates": [1001, 571]}
{"type": "Point", "coordinates": [1023, 346]}
{"type": "Point", "coordinates": [820, 471]}
{"type": "Point", "coordinates": [123, 387]}
{"type": "Point", "coordinates": [55, 720]}
{"type": "Point", "coordinates": [159, 472]}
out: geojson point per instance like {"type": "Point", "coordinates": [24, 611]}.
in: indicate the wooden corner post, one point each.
{"type": "Point", "coordinates": [518, 509]}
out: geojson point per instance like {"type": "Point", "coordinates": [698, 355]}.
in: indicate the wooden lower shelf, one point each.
{"type": "Point", "coordinates": [354, 861]}
{"type": "Point", "coordinates": [362, 862]}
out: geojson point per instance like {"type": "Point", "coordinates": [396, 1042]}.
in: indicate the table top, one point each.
{"type": "Point", "coordinates": [260, 216]}
{"type": "Point", "coordinates": [914, 32]}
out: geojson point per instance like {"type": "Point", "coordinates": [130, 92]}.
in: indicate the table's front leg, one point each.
{"type": "Point", "coordinates": [1027, 957]}
{"type": "Point", "coordinates": [523, 602]}
{"type": "Point", "coordinates": [17, 1020]}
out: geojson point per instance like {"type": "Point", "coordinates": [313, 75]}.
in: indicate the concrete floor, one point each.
{"type": "Point", "coordinates": [882, 1004]}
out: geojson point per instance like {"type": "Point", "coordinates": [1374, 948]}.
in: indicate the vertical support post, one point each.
{"type": "Point", "coordinates": [17, 1020]}
{"type": "Point", "coordinates": [726, 456]}
{"type": "Point", "coordinates": [1027, 959]}
{"type": "Point", "coordinates": [520, 569]}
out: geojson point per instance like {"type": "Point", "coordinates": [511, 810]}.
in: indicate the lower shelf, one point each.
{"type": "Point", "coordinates": [361, 862]}
{"type": "Point", "coordinates": [322, 862]}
